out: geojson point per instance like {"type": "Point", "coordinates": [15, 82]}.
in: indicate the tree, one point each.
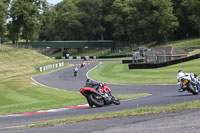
{"type": "Point", "coordinates": [118, 17]}
{"type": "Point", "coordinates": [48, 29]}
{"type": "Point", "coordinates": [186, 27]}
{"type": "Point", "coordinates": [68, 24]}
{"type": "Point", "coordinates": [13, 32]}
{"type": "Point", "coordinates": [146, 21]}
{"type": "Point", "coordinates": [25, 15]}
{"type": "Point", "coordinates": [106, 23]}
{"type": "Point", "coordinates": [92, 18]}
{"type": "Point", "coordinates": [193, 12]}
{"type": "Point", "coordinates": [77, 20]}
{"type": "Point", "coordinates": [3, 17]}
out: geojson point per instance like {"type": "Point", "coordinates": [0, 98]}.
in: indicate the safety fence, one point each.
{"type": "Point", "coordinates": [4, 48]}
{"type": "Point", "coordinates": [164, 64]}
{"type": "Point", "coordinates": [85, 63]}
{"type": "Point", "coordinates": [47, 67]}
{"type": "Point", "coordinates": [92, 57]}
{"type": "Point", "coordinates": [132, 61]}
{"type": "Point", "coordinates": [76, 57]}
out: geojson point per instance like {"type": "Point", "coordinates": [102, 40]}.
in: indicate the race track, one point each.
{"type": "Point", "coordinates": [63, 79]}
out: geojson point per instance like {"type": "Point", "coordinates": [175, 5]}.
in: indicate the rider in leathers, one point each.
{"type": "Point", "coordinates": [95, 85]}
{"type": "Point", "coordinates": [195, 76]}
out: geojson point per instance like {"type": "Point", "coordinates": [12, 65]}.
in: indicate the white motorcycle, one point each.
{"type": "Point", "coordinates": [187, 82]}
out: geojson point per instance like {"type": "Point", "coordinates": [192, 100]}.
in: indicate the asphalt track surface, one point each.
{"type": "Point", "coordinates": [63, 79]}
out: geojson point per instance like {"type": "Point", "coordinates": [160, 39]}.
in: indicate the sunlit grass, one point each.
{"type": "Point", "coordinates": [196, 51]}
{"type": "Point", "coordinates": [120, 73]}
{"type": "Point", "coordinates": [185, 44]}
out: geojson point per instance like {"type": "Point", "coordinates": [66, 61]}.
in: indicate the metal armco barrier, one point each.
{"type": "Point", "coordinates": [47, 67]}
{"type": "Point", "coordinates": [164, 64]}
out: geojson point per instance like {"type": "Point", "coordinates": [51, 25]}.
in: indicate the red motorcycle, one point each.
{"type": "Point", "coordinates": [99, 99]}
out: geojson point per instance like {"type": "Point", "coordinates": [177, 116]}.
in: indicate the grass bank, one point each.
{"type": "Point", "coordinates": [116, 73]}
{"type": "Point", "coordinates": [186, 44]}
{"type": "Point", "coordinates": [17, 62]}
{"type": "Point", "coordinates": [196, 51]}
{"type": "Point", "coordinates": [18, 93]}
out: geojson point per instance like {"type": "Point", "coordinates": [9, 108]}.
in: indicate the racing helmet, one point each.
{"type": "Point", "coordinates": [180, 71]}
{"type": "Point", "coordinates": [89, 81]}
{"type": "Point", "coordinates": [102, 84]}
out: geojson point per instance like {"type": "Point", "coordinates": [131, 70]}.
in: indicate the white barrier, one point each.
{"type": "Point", "coordinates": [47, 67]}
{"type": "Point", "coordinates": [78, 57]}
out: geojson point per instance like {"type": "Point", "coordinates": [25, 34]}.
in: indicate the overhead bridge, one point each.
{"type": "Point", "coordinates": [71, 44]}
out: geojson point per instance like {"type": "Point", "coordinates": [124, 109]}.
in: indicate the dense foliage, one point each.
{"type": "Point", "coordinates": [3, 16]}
{"type": "Point", "coordinates": [132, 21]}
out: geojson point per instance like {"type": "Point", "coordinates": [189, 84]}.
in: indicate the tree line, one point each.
{"type": "Point", "coordinates": [132, 21]}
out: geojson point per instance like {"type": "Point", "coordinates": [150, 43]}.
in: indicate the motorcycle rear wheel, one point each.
{"type": "Point", "coordinates": [95, 100]}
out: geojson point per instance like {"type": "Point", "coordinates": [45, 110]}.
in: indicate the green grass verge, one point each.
{"type": "Point", "coordinates": [186, 44]}
{"type": "Point", "coordinates": [131, 96]}
{"type": "Point", "coordinates": [116, 73]}
{"type": "Point", "coordinates": [139, 111]}
{"type": "Point", "coordinates": [196, 51]}
{"type": "Point", "coordinates": [19, 95]}
{"type": "Point", "coordinates": [35, 98]}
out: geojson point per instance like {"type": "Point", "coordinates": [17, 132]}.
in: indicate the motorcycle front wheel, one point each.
{"type": "Point", "coordinates": [96, 100]}
{"type": "Point", "coordinates": [193, 89]}
{"type": "Point", "coordinates": [75, 74]}
{"type": "Point", "coordinates": [90, 103]}
{"type": "Point", "coordinates": [115, 100]}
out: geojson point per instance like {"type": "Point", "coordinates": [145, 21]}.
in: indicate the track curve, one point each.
{"type": "Point", "coordinates": [63, 79]}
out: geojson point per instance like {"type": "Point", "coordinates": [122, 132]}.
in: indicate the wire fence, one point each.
{"type": "Point", "coordinates": [8, 47]}
{"type": "Point", "coordinates": [5, 48]}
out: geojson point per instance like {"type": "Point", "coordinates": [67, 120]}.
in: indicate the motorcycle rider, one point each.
{"type": "Point", "coordinates": [75, 70]}
{"type": "Point", "coordinates": [194, 76]}
{"type": "Point", "coordinates": [82, 65]}
{"type": "Point", "coordinates": [95, 85]}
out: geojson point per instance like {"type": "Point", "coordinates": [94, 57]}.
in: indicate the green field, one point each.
{"type": "Point", "coordinates": [117, 73]}
{"type": "Point", "coordinates": [186, 44]}
{"type": "Point", "coordinates": [196, 51]}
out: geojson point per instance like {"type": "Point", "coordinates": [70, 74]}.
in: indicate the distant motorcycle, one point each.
{"type": "Point", "coordinates": [75, 73]}
{"type": "Point", "coordinates": [187, 82]}
{"type": "Point", "coordinates": [82, 65]}
{"type": "Point", "coordinates": [99, 99]}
